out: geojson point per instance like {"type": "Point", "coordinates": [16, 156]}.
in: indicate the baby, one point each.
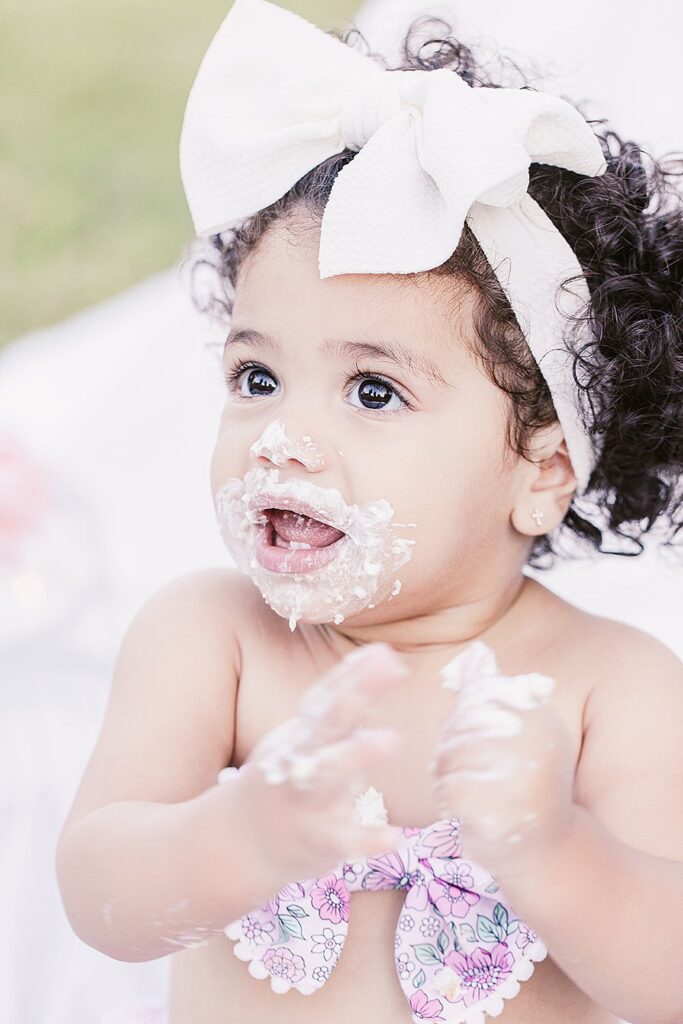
{"type": "Point", "coordinates": [376, 763]}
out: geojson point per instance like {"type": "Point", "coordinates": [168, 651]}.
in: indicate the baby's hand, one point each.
{"type": "Point", "coordinates": [503, 764]}
{"type": "Point", "coordinates": [301, 778]}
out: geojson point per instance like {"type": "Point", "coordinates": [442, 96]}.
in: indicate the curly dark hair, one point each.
{"type": "Point", "coordinates": [626, 229]}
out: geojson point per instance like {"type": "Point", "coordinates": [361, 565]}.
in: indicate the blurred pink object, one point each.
{"type": "Point", "coordinates": [24, 495]}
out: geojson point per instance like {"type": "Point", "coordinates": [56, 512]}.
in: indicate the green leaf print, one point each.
{"type": "Point", "coordinates": [297, 911]}
{"type": "Point", "coordinates": [486, 930]}
{"type": "Point", "coordinates": [500, 916]}
{"type": "Point", "coordinates": [442, 941]}
{"type": "Point", "coordinates": [426, 953]}
{"type": "Point", "coordinates": [290, 926]}
{"type": "Point", "coordinates": [419, 979]}
{"type": "Point", "coordinates": [456, 941]}
{"type": "Point", "coordinates": [468, 931]}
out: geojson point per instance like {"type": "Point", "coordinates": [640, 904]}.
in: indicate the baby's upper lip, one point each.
{"type": "Point", "coordinates": [263, 501]}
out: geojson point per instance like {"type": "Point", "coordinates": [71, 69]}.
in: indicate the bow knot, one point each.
{"type": "Point", "coordinates": [457, 943]}
{"type": "Point", "coordinates": [375, 100]}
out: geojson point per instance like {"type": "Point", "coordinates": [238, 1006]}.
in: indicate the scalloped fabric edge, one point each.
{"type": "Point", "coordinates": [491, 1006]}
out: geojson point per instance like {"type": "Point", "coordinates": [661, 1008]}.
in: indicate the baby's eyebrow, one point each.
{"type": "Point", "coordinates": [394, 351]}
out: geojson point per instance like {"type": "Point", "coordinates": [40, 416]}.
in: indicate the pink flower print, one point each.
{"type": "Point", "coordinates": [481, 972]}
{"type": "Point", "coordinates": [525, 936]}
{"type": "Point", "coordinates": [409, 830]}
{"type": "Point", "coordinates": [458, 874]}
{"type": "Point", "coordinates": [424, 1008]}
{"type": "Point", "coordinates": [388, 871]}
{"type": "Point", "coordinates": [404, 965]}
{"type": "Point", "coordinates": [443, 839]}
{"type": "Point", "coordinates": [451, 900]}
{"type": "Point", "coordinates": [282, 963]}
{"type": "Point", "coordinates": [329, 944]}
{"type": "Point", "coordinates": [255, 930]}
{"type": "Point", "coordinates": [330, 897]}
{"type": "Point", "coordinates": [406, 922]}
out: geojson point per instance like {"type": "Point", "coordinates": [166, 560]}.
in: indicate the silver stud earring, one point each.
{"type": "Point", "coordinates": [537, 516]}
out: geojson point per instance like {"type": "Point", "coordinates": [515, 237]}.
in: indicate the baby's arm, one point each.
{"type": "Point", "coordinates": [142, 851]}
{"type": "Point", "coordinates": [609, 904]}
{"type": "Point", "coordinates": [155, 854]}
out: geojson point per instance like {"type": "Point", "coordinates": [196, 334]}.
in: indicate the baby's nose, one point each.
{"type": "Point", "coordinates": [277, 447]}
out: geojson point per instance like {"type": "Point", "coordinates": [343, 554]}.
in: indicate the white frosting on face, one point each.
{"type": "Point", "coordinates": [362, 574]}
{"type": "Point", "coordinates": [276, 446]}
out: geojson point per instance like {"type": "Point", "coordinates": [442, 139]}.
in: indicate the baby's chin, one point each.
{"type": "Point", "coordinates": [381, 610]}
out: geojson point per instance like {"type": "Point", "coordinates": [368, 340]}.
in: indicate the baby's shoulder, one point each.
{"type": "Point", "coordinates": [222, 599]}
{"type": "Point", "coordinates": [637, 676]}
{"type": "Point", "coordinates": [599, 648]}
{"type": "Point", "coordinates": [630, 769]}
{"type": "Point", "coordinates": [619, 651]}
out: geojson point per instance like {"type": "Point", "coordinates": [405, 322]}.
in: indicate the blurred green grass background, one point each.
{"type": "Point", "coordinates": [92, 99]}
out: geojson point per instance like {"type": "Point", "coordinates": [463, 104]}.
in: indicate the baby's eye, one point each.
{"type": "Point", "coordinates": [377, 393]}
{"type": "Point", "coordinates": [256, 379]}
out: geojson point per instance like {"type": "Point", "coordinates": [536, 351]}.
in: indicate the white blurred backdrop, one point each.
{"type": "Point", "coordinates": [106, 424]}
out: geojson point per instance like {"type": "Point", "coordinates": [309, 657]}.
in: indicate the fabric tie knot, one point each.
{"type": "Point", "coordinates": [377, 99]}
{"type": "Point", "coordinates": [459, 949]}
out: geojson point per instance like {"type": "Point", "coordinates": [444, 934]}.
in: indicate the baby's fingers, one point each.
{"type": "Point", "coordinates": [523, 691]}
{"type": "Point", "coordinates": [483, 720]}
{"type": "Point", "coordinates": [472, 758]}
{"type": "Point", "coordinates": [340, 701]}
{"type": "Point", "coordinates": [332, 772]}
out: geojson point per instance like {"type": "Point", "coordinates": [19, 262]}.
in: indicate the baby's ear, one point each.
{"type": "Point", "coordinates": [547, 485]}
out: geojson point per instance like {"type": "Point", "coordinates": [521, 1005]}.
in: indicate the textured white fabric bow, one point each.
{"type": "Point", "coordinates": [275, 95]}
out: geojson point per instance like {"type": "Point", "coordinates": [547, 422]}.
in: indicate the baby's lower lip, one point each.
{"type": "Point", "coordinates": [296, 560]}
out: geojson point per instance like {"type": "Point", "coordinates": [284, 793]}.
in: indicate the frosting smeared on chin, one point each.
{"type": "Point", "coordinates": [362, 574]}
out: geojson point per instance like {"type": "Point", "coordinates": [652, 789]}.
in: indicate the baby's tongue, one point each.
{"type": "Point", "coordinates": [300, 528]}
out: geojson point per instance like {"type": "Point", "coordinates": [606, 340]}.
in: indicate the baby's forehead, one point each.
{"type": "Point", "coordinates": [279, 292]}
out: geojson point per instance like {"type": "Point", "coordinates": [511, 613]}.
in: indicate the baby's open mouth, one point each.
{"type": "Point", "coordinates": [293, 530]}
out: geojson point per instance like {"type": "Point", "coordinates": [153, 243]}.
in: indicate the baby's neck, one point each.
{"type": "Point", "coordinates": [449, 628]}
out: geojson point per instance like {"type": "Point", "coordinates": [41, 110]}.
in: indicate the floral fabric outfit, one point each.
{"type": "Point", "coordinates": [459, 948]}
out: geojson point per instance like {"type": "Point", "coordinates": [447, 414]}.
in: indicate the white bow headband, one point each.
{"type": "Point", "coordinates": [275, 96]}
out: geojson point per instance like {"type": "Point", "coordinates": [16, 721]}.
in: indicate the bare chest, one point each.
{"type": "Point", "coordinates": [364, 982]}
{"type": "Point", "coordinates": [416, 708]}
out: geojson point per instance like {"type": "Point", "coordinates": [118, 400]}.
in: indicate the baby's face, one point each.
{"type": "Point", "coordinates": [431, 446]}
